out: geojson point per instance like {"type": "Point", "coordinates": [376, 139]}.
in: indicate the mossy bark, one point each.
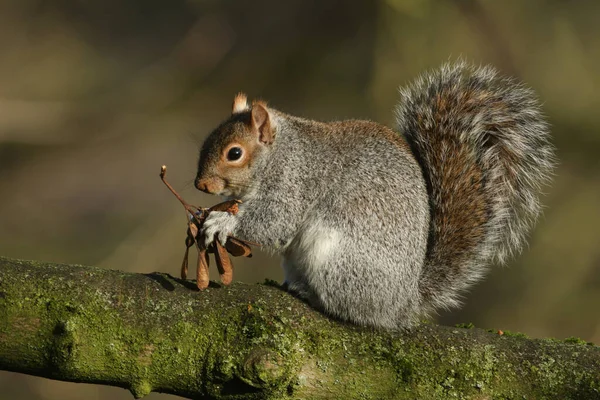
{"type": "Point", "coordinates": [157, 333]}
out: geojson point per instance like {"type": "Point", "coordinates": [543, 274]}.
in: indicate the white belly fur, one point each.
{"type": "Point", "coordinates": [310, 250]}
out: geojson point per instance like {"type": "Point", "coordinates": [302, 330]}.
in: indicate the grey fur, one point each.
{"type": "Point", "coordinates": [346, 204]}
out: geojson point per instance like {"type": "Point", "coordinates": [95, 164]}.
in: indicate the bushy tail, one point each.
{"type": "Point", "coordinates": [484, 148]}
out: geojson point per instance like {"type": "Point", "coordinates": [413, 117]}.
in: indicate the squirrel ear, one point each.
{"type": "Point", "coordinates": [262, 122]}
{"type": "Point", "coordinates": [240, 103]}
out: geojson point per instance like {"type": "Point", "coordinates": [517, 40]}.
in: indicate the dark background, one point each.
{"type": "Point", "coordinates": [96, 95]}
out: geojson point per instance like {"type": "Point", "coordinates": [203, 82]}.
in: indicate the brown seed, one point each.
{"type": "Point", "coordinates": [193, 229]}
{"type": "Point", "coordinates": [223, 264]}
{"type": "Point", "coordinates": [237, 247]}
{"type": "Point", "coordinates": [230, 206]}
{"type": "Point", "coordinates": [202, 278]}
{"type": "Point", "coordinates": [184, 264]}
{"type": "Point", "coordinates": [189, 242]}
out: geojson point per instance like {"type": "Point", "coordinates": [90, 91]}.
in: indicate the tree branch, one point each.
{"type": "Point", "coordinates": [156, 333]}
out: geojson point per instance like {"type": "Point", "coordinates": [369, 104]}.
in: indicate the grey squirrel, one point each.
{"type": "Point", "coordinates": [381, 228]}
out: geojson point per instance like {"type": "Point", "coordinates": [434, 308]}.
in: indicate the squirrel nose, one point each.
{"type": "Point", "coordinates": [201, 184]}
{"type": "Point", "coordinates": [209, 185]}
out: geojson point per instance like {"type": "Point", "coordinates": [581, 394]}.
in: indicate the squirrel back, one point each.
{"type": "Point", "coordinates": [485, 151]}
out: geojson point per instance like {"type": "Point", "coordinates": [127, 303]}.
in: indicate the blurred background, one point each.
{"type": "Point", "coordinates": [96, 95]}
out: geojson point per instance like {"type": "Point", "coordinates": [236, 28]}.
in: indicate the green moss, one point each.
{"type": "Point", "coordinates": [272, 283]}
{"type": "Point", "coordinates": [514, 334]}
{"type": "Point", "coordinates": [405, 370]}
{"type": "Point", "coordinates": [140, 389]}
{"type": "Point", "coordinates": [468, 325]}
{"type": "Point", "coordinates": [576, 340]}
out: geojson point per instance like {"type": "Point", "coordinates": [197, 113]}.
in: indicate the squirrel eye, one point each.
{"type": "Point", "coordinates": [234, 154]}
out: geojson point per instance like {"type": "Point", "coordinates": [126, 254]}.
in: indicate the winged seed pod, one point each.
{"type": "Point", "coordinates": [234, 246]}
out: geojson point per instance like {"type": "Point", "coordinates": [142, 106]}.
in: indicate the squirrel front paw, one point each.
{"type": "Point", "coordinates": [218, 225]}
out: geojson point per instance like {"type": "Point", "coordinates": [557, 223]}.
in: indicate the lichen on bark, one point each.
{"type": "Point", "coordinates": [156, 333]}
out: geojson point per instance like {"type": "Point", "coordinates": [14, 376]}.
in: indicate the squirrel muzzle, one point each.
{"type": "Point", "coordinates": [213, 185]}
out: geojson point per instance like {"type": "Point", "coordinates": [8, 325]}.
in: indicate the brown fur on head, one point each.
{"type": "Point", "coordinates": [230, 151]}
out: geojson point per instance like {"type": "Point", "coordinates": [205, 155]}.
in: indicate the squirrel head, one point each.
{"type": "Point", "coordinates": [230, 152]}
